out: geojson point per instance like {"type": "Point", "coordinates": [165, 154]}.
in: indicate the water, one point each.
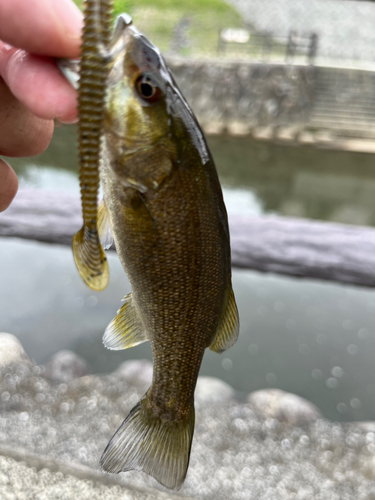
{"type": "Point", "coordinates": [313, 338]}
{"type": "Point", "coordinates": [259, 177]}
{"type": "Point", "coordinates": [336, 186]}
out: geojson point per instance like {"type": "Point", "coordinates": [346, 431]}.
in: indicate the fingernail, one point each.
{"type": "Point", "coordinates": [68, 121]}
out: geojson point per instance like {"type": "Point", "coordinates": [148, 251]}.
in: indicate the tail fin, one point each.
{"type": "Point", "coordinates": [149, 444]}
{"type": "Point", "coordinates": [90, 259]}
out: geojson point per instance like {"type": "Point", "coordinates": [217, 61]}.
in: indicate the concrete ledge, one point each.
{"type": "Point", "coordinates": [83, 473]}
{"type": "Point", "coordinates": [304, 248]}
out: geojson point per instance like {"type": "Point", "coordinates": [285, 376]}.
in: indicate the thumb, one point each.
{"type": "Point", "coordinates": [8, 185]}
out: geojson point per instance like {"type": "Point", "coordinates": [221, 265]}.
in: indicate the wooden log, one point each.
{"type": "Point", "coordinates": [295, 247]}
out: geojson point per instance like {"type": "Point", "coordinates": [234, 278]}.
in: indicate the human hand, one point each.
{"type": "Point", "coordinates": [32, 91]}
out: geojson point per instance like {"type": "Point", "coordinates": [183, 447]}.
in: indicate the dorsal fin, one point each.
{"type": "Point", "coordinates": [227, 332]}
{"type": "Point", "coordinates": [104, 230]}
{"type": "Point", "coordinates": [126, 329]}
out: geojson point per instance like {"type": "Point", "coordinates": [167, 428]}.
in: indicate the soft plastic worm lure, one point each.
{"type": "Point", "coordinates": [88, 253]}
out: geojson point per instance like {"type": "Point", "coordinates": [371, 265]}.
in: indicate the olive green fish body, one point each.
{"type": "Point", "coordinates": [167, 216]}
{"type": "Point", "coordinates": [176, 255]}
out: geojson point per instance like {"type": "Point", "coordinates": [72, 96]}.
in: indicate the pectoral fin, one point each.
{"type": "Point", "coordinates": [126, 329]}
{"type": "Point", "coordinates": [228, 329]}
{"type": "Point", "coordinates": [104, 230]}
{"type": "Point", "coordinates": [70, 69]}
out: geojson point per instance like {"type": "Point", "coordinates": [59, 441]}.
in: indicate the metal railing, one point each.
{"type": "Point", "coordinates": [265, 46]}
{"type": "Point", "coordinates": [345, 27]}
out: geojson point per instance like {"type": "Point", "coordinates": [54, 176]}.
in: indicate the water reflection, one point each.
{"type": "Point", "coordinates": [300, 181]}
{"type": "Point", "coordinates": [260, 177]}
{"type": "Point", "coordinates": [343, 198]}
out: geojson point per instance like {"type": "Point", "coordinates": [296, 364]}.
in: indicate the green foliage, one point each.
{"type": "Point", "coordinates": [158, 19]}
{"type": "Point", "coordinates": [218, 6]}
{"type": "Point", "coordinates": [122, 6]}
{"type": "Point", "coordinates": [183, 5]}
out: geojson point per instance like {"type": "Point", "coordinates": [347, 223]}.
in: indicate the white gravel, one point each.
{"type": "Point", "coordinates": [236, 454]}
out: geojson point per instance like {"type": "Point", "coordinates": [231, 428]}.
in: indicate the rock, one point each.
{"type": "Point", "coordinates": [213, 390]}
{"type": "Point", "coordinates": [284, 406]}
{"type": "Point", "coordinates": [137, 371]}
{"type": "Point", "coordinates": [4, 479]}
{"type": "Point", "coordinates": [65, 366]}
{"type": "Point", "coordinates": [367, 426]}
{"type": "Point", "coordinates": [11, 350]}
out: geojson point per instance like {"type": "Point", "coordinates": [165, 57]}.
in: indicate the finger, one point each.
{"type": "Point", "coordinates": [8, 185]}
{"type": "Point", "coordinates": [21, 133]}
{"type": "Point", "coordinates": [46, 27]}
{"type": "Point", "coordinates": [39, 85]}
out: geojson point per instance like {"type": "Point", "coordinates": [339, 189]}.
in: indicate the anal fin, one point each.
{"type": "Point", "coordinates": [106, 238]}
{"type": "Point", "coordinates": [126, 329]}
{"type": "Point", "coordinates": [227, 332]}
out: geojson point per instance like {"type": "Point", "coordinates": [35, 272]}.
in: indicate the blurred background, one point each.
{"type": "Point", "coordinates": [284, 90]}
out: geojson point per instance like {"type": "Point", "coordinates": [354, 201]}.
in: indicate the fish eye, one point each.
{"type": "Point", "coordinates": [147, 89]}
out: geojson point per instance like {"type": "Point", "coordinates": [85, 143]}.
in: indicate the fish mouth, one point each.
{"type": "Point", "coordinates": [127, 41]}
{"type": "Point", "coordinates": [129, 44]}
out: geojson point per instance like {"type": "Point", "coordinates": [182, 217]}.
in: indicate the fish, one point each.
{"type": "Point", "coordinates": [163, 204]}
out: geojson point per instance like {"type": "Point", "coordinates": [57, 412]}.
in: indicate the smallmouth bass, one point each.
{"type": "Point", "coordinates": [164, 206]}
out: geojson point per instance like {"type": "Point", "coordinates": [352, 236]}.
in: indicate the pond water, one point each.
{"type": "Point", "coordinates": [259, 177]}
{"type": "Point", "coordinates": [313, 338]}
